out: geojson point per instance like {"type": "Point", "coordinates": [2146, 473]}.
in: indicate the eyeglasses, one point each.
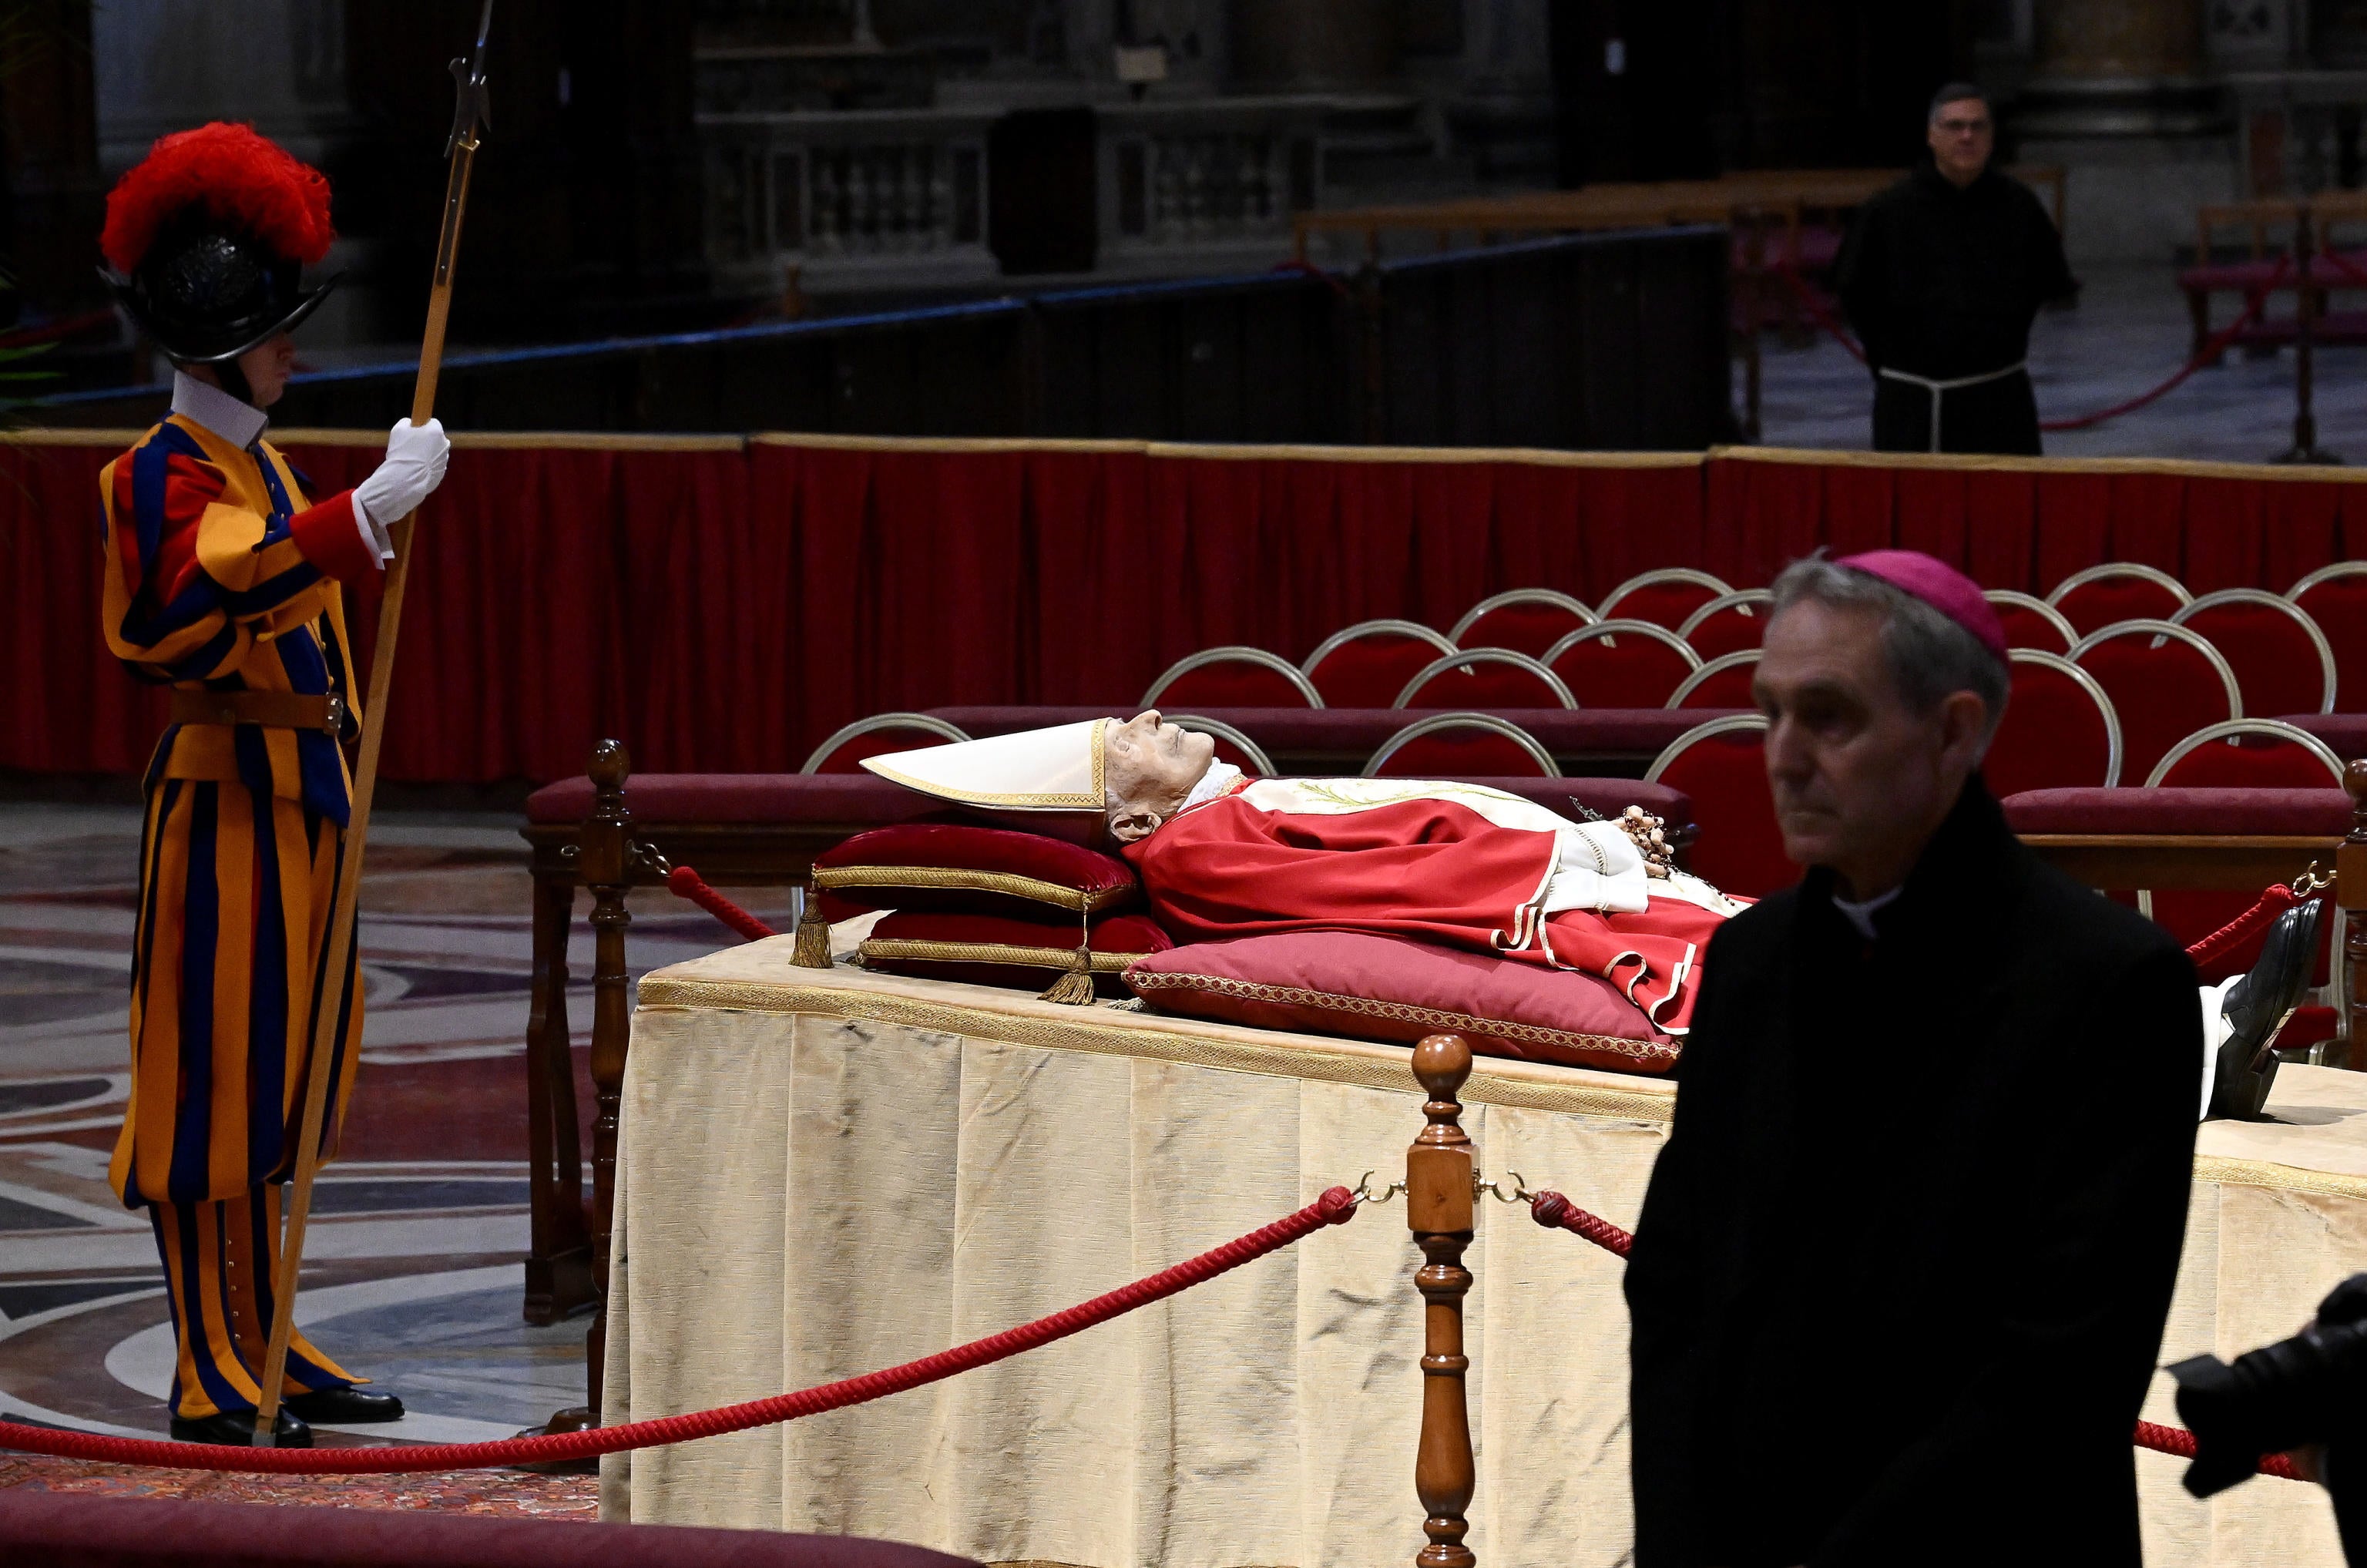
{"type": "Point", "coordinates": [1964, 127]}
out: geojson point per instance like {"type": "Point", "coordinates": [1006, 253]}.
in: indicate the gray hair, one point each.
{"type": "Point", "coordinates": [1931, 657]}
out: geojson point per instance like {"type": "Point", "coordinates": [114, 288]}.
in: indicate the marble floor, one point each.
{"type": "Point", "coordinates": [412, 1274]}
{"type": "Point", "coordinates": [2128, 332]}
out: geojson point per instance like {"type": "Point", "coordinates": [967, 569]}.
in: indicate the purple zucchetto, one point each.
{"type": "Point", "coordinates": [1939, 585]}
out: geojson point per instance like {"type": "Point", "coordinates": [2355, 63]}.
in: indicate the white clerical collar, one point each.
{"type": "Point", "coordinates": [1861, 914]}
{"type": "Point", "coordinates": [239, 422]}
{"type": "Point", "coordinates": [1213, 783]}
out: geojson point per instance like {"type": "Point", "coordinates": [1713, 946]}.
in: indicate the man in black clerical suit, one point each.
{"type": "Point", "coordinates": [1902, 1270]}
{"type": "Point", "coordinates": [1941, 276]}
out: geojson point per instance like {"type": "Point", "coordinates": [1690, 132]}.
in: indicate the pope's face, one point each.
{"type": "Point", "coordinates": [1148, 767]}
{"type": "Point", "coordinates": [1861, 779]}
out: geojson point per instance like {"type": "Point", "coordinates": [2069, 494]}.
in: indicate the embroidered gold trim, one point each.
{"type": "Point", "coordinates": [1404, 1012]}
{"type": "Point", "coordinates": [991, 952]}
{"type": "Point", "coordinates": [1075, 900]}
{"type": "Point", "coordinates": [1227, 1048]}
{"type": "Point", "coordinates": [2228, 1172]}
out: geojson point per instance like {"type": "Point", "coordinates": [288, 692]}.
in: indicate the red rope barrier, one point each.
{"type": "Point", "coordinates": [1336, 1206]}
{"type": "Point", "coordinates": [1553, 1211]}
{"type": "Point", "coordinates": [689, 885]}
{"type": "Point", "coordinates": [2344, 266]}
{"type": "Point", "coordinates": [2256, 301]}
{"type": "Point", "coordinates": [2219, 943]}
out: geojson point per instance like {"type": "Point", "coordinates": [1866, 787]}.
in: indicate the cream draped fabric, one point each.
{"type": "Point", "coordinates": [822, 1173]}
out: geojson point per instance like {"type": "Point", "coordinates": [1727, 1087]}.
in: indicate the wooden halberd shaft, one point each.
{"type": "Point", "coordinates": [1439, 1200]}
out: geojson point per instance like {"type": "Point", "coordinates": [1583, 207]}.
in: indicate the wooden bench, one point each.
{"type": "Point", "coordinates": [2270, 224]}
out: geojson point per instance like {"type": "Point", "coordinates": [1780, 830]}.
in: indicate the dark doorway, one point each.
{"type": "Point", "coordinates": [1039, 180]}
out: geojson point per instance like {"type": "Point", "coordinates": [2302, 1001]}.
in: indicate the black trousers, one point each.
{"type": "Point", "coordinates": [1999, 417]}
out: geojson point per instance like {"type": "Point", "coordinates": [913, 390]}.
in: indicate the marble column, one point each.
{"type": "Point", "coordinates": [2119, 68]}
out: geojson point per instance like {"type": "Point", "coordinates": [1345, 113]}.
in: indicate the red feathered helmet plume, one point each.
{"type": "Point", "coordinates": [207, 237]}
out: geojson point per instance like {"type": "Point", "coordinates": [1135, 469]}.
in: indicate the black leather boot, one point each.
{"type": "Point", "coordinates": [235, 1429]}
{"type": "Point", "coordinates": [345, 1407]}
{"type": "Point", "coordinates": [2257, 1008]}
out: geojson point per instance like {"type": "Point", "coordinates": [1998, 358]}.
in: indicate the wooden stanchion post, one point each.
{"type": "Point", "coordinates": [1439, 1199]}
{"type": "Point", "coordinates": [2306, 294]}
{"type": "Point", "coordinates": [2351, 897]}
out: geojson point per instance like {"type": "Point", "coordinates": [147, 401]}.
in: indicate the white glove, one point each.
{"type": "Point", "coordinates": [415, 455]}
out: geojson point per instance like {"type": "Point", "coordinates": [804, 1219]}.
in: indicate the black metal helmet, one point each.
{"type": "Point", "coordinates": [206, 239]}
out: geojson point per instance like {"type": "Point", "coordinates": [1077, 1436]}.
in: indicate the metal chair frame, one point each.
{"type": "Point", "coordinates": [1719, 665]}
{"type": "Point", "coordinates": [1233, 653]}
{"type": "Point", "coordinates": [2118, 569]}
{"type": "Point", "coordinates": [928, 723]}
{"type": "Point", "coordinates": [2017, 600]}
{"type": "Point", "coordinates": [1470, 656]}
{"type": "Point", "coordinates": [2234, 729]}
{"type": "Point", "coordinates": [1341, 639]}
{"type": "Point", "coordinates": [1504, 728]}
{"type": "Point", "coordinates": [2326, 574]}
{"type": "Point", "coordinates": [2041, 659]}
{"type": "Point", "coordinates": [2285, 606]}
{"type": "Point", "coordinates": [1654, 578]}
{"type": "Point", "coordinates": [2176, 633]}
{"type": "Point", "coordinates": [1733, 723]}
{"type": "Point", "coordinates": [1741, 599]}
{"type": "Point", "coordinates": [1262, 764]}
{"type": "Point", "coordinates": [1520, 597]}
{"type": "Point", "coordinates": [1651, 631]}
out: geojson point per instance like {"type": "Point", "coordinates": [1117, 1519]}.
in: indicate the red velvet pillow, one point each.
{"type": "Point", "coordinates": [995, 949]}
{"type": "Point", "coordinates": [961, 869]}
{"type": "Point", "coordinates": [1393, 988]}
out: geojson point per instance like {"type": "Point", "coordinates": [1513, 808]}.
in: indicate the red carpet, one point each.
{"type": "Point", "coordinates": [496, 1494]}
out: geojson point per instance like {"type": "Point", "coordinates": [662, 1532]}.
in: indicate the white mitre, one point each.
{"type": "Point", "coordinates": [1058, 770]}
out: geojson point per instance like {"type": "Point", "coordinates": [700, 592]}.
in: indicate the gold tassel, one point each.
{"type": "Point", "coordinates": [1075, 989]}
{"type": "Point", "coordinates": [813, 932]}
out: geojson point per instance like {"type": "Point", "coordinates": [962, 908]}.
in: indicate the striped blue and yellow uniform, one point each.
{"type": "Point", "coordinates": [220, 577]}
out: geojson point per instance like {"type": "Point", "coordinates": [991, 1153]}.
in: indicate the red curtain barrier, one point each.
{"type": "Point", "coordinates": [722, 605]}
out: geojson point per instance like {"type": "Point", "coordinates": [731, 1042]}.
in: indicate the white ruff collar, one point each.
{"type": "Point", "coordinates": [235, 421]}
{"type": "Point", "coordinates": [1213, 783]}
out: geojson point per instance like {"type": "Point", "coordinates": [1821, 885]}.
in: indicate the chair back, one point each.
{"type": "Point", "coordinates": [1665, 597]}
{"type": "Point", "coordinates": [1483, 678]}
{"type": "Point", "coordinates": [1622, 664]}
{"type": "Point", "coordinates": [1724, 682]}
{"type": "Point", "coordinates": [1723, 765]}
{"type": "Point", "coordinates": [2165, 682]}
{"type": "Point", "coordinates": [2117, 591]}
{"type": "Point", "coordinates": [1232, 678]}
{"type": "Point", "coordinates": [2335, 597]}
{"type": "Point", "coordinates": [1526, 620]}
{"type": "Point", "coordinates": [2282, 662]}
{"type": "Point", "coordinates": [1368, 663]}
{"type": "Point", "coordinates": [1461, 745]}
{"type": "Point", "coordinates": [877, 736]}
{"type": "Point", "coordinates": [2059, 731]}
{"type": "Point", "coordinates": [1232, 746]}
{"type": "Point", "coordinates": [1728, 624]}
{"type": "Point", "coordinates": [2032, 622]}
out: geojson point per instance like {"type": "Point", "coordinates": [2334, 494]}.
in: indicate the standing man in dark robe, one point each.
{"type": "Point", "coordinates": [1942, 276]}
{"type": "Point", "coordinates": [1903, 1266]}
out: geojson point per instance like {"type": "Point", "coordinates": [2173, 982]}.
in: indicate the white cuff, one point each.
{"type": "Point", "coordinates": [374, 537]}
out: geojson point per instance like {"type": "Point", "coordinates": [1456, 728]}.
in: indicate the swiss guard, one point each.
{"type": "Point", "coordinates": [223, 582]}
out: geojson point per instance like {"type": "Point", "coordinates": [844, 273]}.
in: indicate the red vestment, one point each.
{"type": "Point", "coordinates": [1430, 868]}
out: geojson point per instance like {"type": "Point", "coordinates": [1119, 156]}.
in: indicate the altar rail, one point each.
{"type": "Point", "coordinates": [722, 604]}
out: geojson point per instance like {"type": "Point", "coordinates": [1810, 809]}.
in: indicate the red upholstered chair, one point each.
{"type": "Point", "coordinates": [2117, 591]}
{"type": "Point", "coordinates": [2244, 754]}
{"type": "Point", "coordinates": [2335, 599]}
{"type": "Point", "coordinates": [2165, 681]}
{"type": "Point", "coordinates": [1231, 744]}
{"type": "Point", "coordinates": [1729, 623]}
{"type": "Point", "coordinates": [1483, 678]}
{"type": "Point", "coordinates": [2032, 622]}
{"type": "Point", "coordinates": [2282, 662]}
{"type": "Point", "coordinates": [1232, 678]}
{"type": "Point", "coordinates": [1367, 665]}
{"type": "Point", "coordinates": [1664, 597]}
{"type": "Point", "coordinates": [1623, 663]}
{"type": "Point", "coordinates": [877, 736]}
{"type": "Point", "coordinates": [1723, 766]}
{"type": "Point", "coordinates": [2059, 731]}
{"type": "Point", "coordinates": [1724, 682]}
{"type": "Point", "coordinates": [1461, 745]}
{"type": "Point", "coordinates": [1526, 620]}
